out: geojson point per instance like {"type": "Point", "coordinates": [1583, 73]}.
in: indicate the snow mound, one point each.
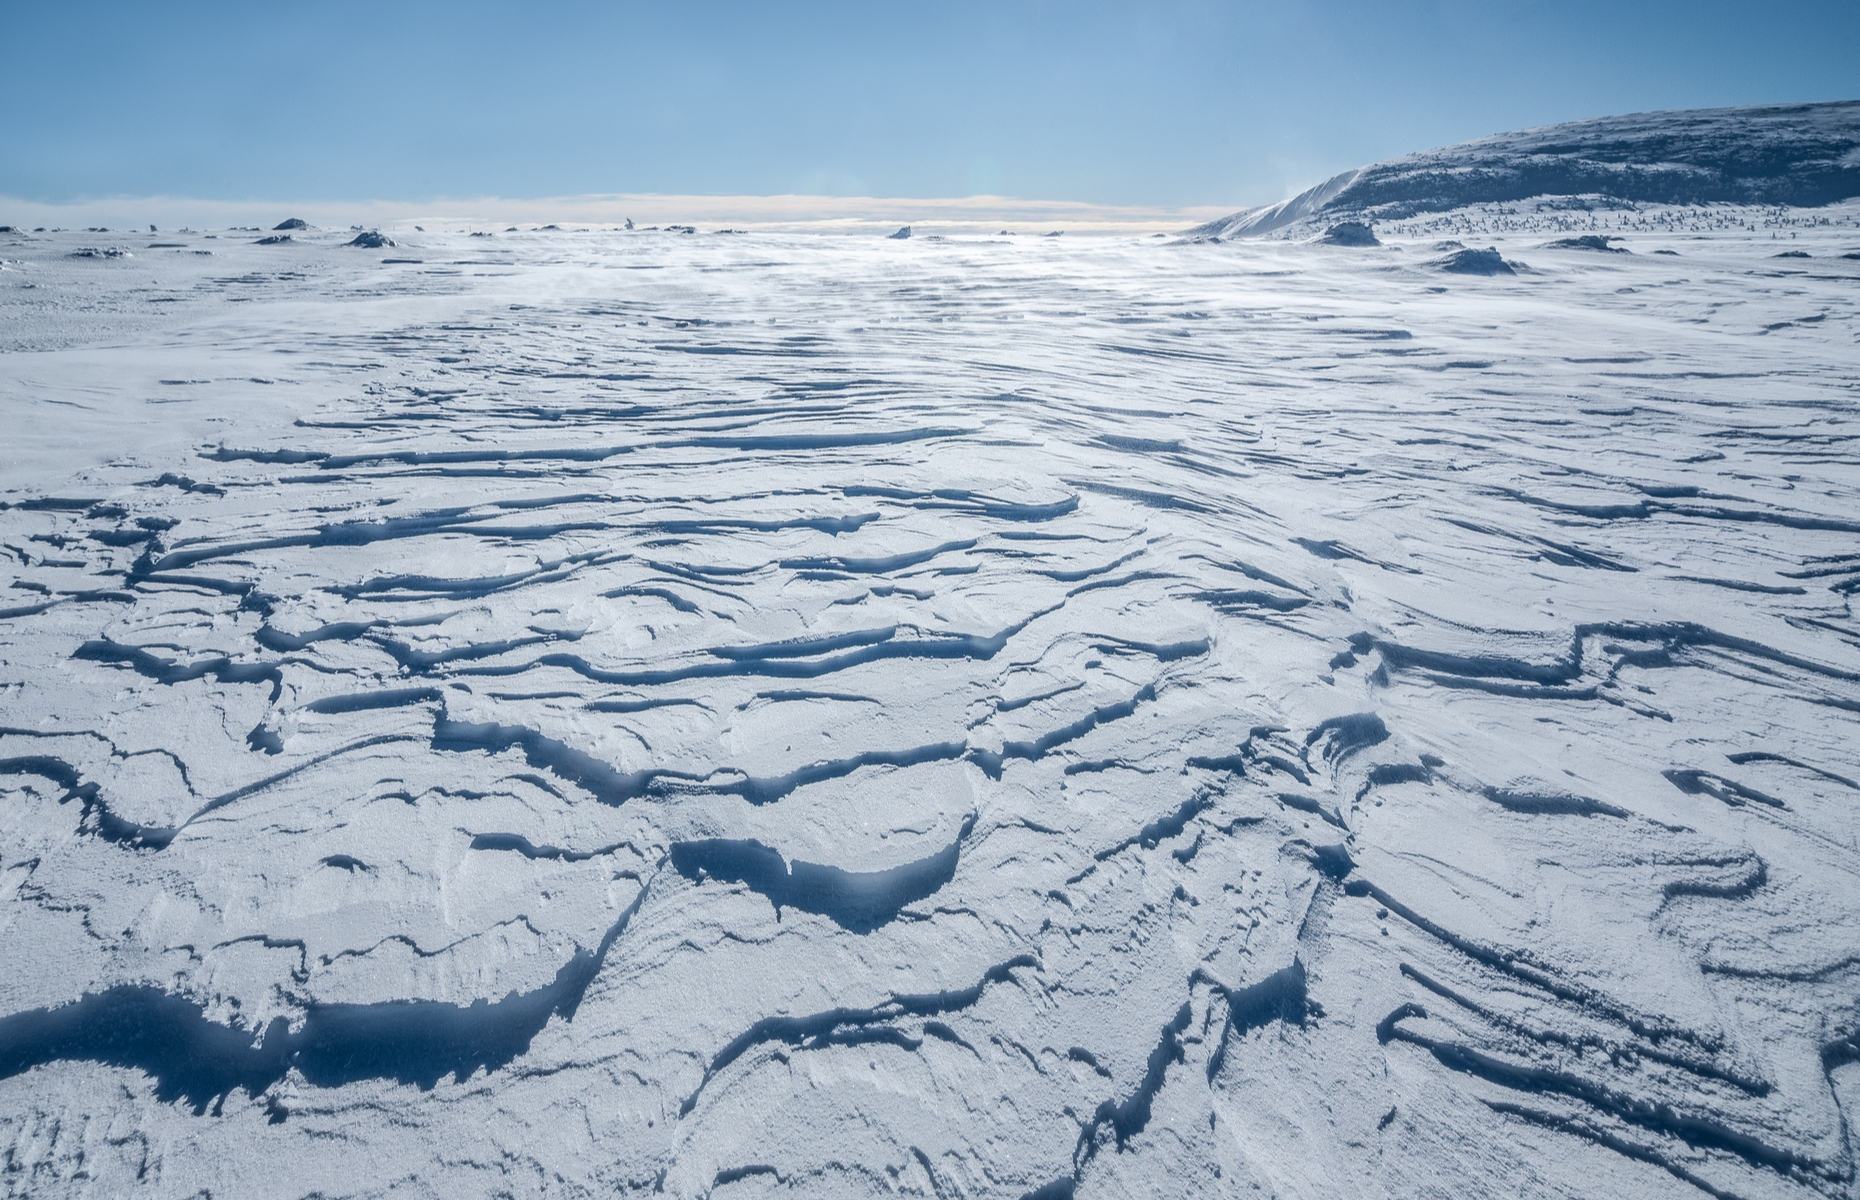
{"type": "Point", "coordinates": [903, 233]}
{"type": "Point", "coordinates": [1794, 154]}
{"type": "Point", "coordinates": [291, 223]}
{"type": "Point", "coordinates": [1588, 241]}
{"type": "Point", "coordinates": [372, 239]}
{"type": "Point", "coordinates": [1350, 233]}
{"type": "Point", "coordinates": [1477, 262]}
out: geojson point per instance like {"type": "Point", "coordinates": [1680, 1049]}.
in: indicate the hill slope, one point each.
{"type": "Point", "coordinates": [1797, 154]}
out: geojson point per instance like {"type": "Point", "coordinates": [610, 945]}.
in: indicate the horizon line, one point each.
{"type": "Point", "coordinates": [786, 212]}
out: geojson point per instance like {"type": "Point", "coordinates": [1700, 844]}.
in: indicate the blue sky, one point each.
{"type": "Point", "coordinates": [1170, 103]}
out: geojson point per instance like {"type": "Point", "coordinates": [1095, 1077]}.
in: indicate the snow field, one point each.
{"type": "Point", "coordinates": [590, 712]}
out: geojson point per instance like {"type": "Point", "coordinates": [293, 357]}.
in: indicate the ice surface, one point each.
{"type": "Point", "coordinates": [586, 713]}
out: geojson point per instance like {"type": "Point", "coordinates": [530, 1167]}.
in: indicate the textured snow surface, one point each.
{"type": "Point", "coordinates": [569, 714]}
{"type": "Point", "coordinates": [1777, 154]}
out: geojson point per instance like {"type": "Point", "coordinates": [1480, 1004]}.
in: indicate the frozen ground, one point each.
{"type": "Point", "coordinates": [582, 713]}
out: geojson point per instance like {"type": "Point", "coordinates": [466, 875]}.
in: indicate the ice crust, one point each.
{"type": "Point", "coordinates": [593, 713]}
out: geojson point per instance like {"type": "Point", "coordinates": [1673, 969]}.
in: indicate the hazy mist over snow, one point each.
{"type": "Point", "coordinates": [814, 214]}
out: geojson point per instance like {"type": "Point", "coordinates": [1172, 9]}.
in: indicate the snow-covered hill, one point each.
{"type": "Point", "coordinates": [574, 714]}
{"type": "Point", "coordinates": [1782, 154]}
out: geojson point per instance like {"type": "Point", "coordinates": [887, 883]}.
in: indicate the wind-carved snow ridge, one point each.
{"type": "Point", "coordinates": [201, 1062]}
{"type": "Point", "coordinates": [858, 900]}
{"type": "Point", "coordinates": [639, 712]}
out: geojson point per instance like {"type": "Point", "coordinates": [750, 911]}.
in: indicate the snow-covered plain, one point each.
{"type": "Point", "coordinates": [570, 713]}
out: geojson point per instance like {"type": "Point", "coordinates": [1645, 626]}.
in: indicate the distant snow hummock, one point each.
{"type": "Point", "coordinates": [1589, 241]}
{"type": "Point", "coordinates": [1477, 262]}
{"type": "Point", "coordinates": [1350, 233]}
